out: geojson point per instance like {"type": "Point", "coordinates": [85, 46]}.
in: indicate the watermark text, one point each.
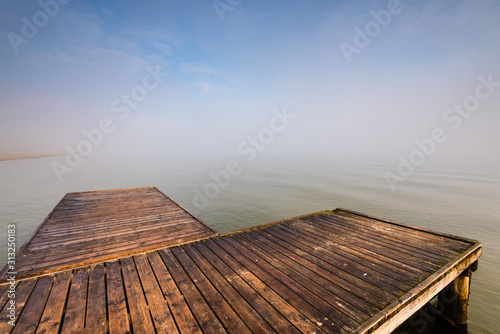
{"type": "Point", "coordinates": [453, 117]}
{"type": "Point", "coordinates": [10, 276]}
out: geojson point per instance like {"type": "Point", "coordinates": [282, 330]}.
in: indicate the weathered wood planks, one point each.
{"type": "Point", "coordinates": [91, 227]}
{"type": "Point", "coordinates": [328, 272]}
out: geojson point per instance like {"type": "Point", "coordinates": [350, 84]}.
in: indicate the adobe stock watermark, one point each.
{"type": "Point", "coordinates": [121, 106]}
{"type": "Point", "coordinates": [223, 6]}
{"type": "Point", "coordinates": [453, 118]}
{"type": "Point", "coordinates": [30, 28]}
{"type": "Point", "coordinates": [373, 28]}
{"type": "Point", "coordinates": [419, 321]}
{"type": "Point", "coordinates": [248, 149]}
{"type": "Point", "coordinates": [10, 276]}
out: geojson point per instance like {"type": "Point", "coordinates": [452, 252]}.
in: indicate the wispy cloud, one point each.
{"type": "Point", "coordinates": [198, 69]}
{"type": "Point", "coordinates": [261, 56]}
{"type": "Point", "coordinates": [202, 76]}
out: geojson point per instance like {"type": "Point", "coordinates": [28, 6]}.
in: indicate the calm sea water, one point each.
{"type": "Point", "coordinates": [463, 201]}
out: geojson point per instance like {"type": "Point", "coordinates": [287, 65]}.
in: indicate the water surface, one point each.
{"type": "Point", "coordinates": [457, 200]}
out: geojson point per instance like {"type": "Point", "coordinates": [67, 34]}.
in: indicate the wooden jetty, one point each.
{"type": "Point", "coordinates": [90, 227]}
{"type": "Point", "coordinates": [327, 272]}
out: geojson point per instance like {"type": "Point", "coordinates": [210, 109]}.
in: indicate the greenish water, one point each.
{"type": "Point", "coordinates": [462, 201]}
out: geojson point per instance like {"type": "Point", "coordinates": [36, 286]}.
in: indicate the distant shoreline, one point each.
{"type": "Point", "coordinates": [18, 156]}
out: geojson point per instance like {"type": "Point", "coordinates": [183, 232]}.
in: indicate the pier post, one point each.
{"type": "Point", "coordinates": [455, 296]}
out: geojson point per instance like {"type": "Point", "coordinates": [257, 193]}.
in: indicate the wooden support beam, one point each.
{"type": "Point", "coordinates": [474, 266]}
{"type": "Point", "coordinates": [455, 297]}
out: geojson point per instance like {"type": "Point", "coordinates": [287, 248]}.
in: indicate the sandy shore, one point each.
{"type": "Point", "coordinates": [16, 156]}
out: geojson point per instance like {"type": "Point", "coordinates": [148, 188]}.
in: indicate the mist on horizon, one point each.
{"type": "Point", "coordinates": [365, 81]}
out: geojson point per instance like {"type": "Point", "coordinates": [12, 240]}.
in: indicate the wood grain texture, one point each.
{"type": "Point", "coordinates": [97, 226]}
{"type": "Point", "coordinates": [328, 272]}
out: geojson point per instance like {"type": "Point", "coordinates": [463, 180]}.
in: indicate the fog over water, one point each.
{"type": "Point", "coordinates": [458, 200]}
{"type": "Point", "coordinates": [260, 111]}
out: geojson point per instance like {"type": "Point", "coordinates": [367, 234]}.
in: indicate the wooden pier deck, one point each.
{"type": "Point", "coordinates": [328, 272]}
{"type": "Point", "coordinates": [94, 226]}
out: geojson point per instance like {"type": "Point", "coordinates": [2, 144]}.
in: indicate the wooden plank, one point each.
{"type": "Point", "coordinates": [28, 319]}
{"type": "Point", "coordinates": [68, 227]}
{"type": "Point", "coordinates": [374, 245]}
{"type": "Point", "coordinates": [4, 293]}
{"type": "Point", "coordinates": [74, 318]}
{"type": "Point", "coordinates": [174, 232]}
{"type": "Point", "coordinates": [51, 319]}
{"type": "Point", "coordinates": [398, 239]}
{"type": "Point", "coordinates": [108, 225]}
{"type": "Point", "coordinates": [88, 250]}
{"type": "Point", "coordinates": [125, 209]}
{"type": "Point", "coordinates": [117, 307]}
{"type": "Point", "coordinates": [137, 200]}
{"type": "Point", "coordinates": [229, 319]}
{"type": "Point", "coordinates": [345, 254]}
{"type": "Point", "coordinates": [205, 316]}
{"type": "Point", "coordinates": [128, 209]}
{"type": "Point", "coordinates": [138, 307]}
{"type": "Point", "coordinates": [354, 307]}
{"type": "Point", "coordinates": [418, 239]}
{"type": "Point", "coordinates": [427, 258]}
{"type": "Point", "coordinates": [21, 250]}
{"type": "Point", "coordinates": [23, 291]}
{"type": "Point", "coordinates": [367, 274]}
{"type": "Point", "coordinates": [333, 306]}
{"type": "Point", "coordinates": [396, 313]}
{"type": "Point", "coordinates": [96, 301]}
{"type": "Point", "coordinates": [272, 315]}
{"type": "Point", "coordinates": [296, 320]}
{"type": "Point", "coordinates": [403, 273]}
{"type": "Point", "coordinates": [185, 320]}
{"type": "Point", "coordinates": [92, 227]}
{"type": "Point", "coordinates": [365, 248]}
{"type": "Point", "coordinates": [102, 220]}
{"type": "Point", "coordinates": [110, 191]}
{"type": "Point", "coordinates": [284, 287]}
{"type": "Point", "coordinates": [120, 205]}
{"type": "Point", "coordinates": [407, 226]}
{"type": "Point", "coordinates": [320, 310]}
{"type": "Point", "coordinates": [147, 230]}
{"type": "Point", "coordinates": [88, 256]}
{"type": "Point", "coordinates": [158, 306]}
{"type": "Point", "coordinates": [377, 296]}
{"type": "Point", "coordinates": [250, 317]}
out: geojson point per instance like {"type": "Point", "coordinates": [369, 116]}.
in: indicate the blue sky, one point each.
{"type": "Point", "coordinates": [226, 76]}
